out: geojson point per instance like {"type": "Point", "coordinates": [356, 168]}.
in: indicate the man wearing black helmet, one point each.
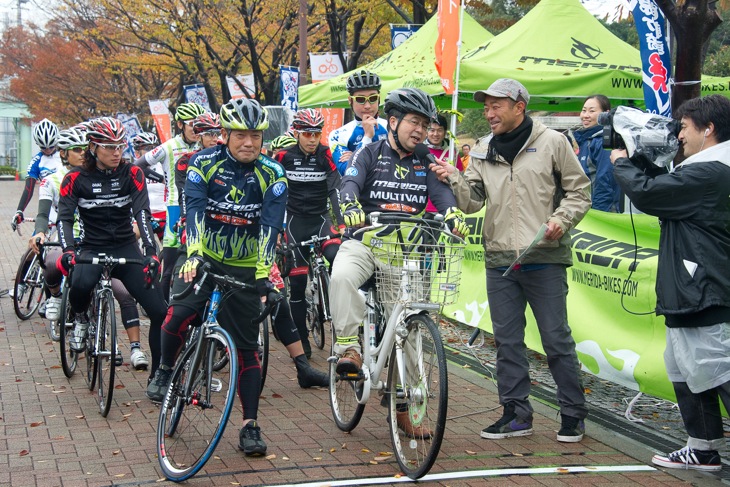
{"type": "Point", "coordinates": [385, 176]}
{"type": "Point", "coordinates": [364, 89]}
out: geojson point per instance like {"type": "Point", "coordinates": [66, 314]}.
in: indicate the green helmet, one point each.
{"type": "Point", "coordinates": [244, 114]}
{"type": "Point", "coordinates": [282, 141]}
{"type": "Point", "coordinates": [188, 111]}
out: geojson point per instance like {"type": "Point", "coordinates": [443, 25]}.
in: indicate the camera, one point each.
{"type": "Point", "coordinates": [640, 133]}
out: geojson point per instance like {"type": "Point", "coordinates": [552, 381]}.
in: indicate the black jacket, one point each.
{"type": "Point", "coordinates": [693, 204]}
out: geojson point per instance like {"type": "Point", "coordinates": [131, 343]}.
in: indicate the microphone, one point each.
{"type": "Point", "coordinates": [422, 152]}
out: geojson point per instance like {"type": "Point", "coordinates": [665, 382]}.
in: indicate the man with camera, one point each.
{"type": "Point", "coordinates": [692, 200]}
{"type": "Point", "coordinates": [532, 184]}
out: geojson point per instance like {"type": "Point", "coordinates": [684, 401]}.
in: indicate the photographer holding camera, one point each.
{"type": "Point", "coordinates": [693, 278]}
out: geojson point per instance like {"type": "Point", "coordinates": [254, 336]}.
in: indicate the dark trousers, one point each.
{"type": "Point", "coordinates": [546, 291]}
{"type": "Point", "coordinates": [701, 415]}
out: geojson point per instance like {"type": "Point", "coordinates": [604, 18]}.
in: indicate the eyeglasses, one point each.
{"type": "Point", "coordinates": [77, 150]}
{"type": "Point", "coordinates": [361, 100]}
{"type": "Point", "coordinates": [417, 123]}
{"type": "Point", "coordinates": [113, 147]}
{"type": "Point", "coordinates": [311, 135]}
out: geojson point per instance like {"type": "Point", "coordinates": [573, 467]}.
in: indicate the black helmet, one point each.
{"type": "Point", "coordinates": [363, 80]}
{"type": "Point", "coordinates": [410, 100]}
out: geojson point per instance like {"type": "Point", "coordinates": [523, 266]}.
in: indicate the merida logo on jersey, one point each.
{"type": "Point", "coordinates": [235, 195]}
{"type": "Point", "coordinates": [397, 185]}
{"type": "Point", "coordinates": [401, 172]}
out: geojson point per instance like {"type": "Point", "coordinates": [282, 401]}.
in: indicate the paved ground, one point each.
{"type": "Point", "coordinates": [51, 433]}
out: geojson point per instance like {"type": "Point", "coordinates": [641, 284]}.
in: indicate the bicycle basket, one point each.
{"type": "Point", "coordinates": [427, 270]}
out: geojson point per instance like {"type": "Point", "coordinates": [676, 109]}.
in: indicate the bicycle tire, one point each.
{"type": "Point", "coordinates": [90, 353]}
{"type": "Point", "coordinates": [28, 288]}
{"type": "Point", "coordinates": [424, 396]}
{"type": "Point", "coordinates": [344, 394]}
{"type": "Point", "coordinates": [264, 327]}
{"type": "Point", "coordinates": [189, 423]}
{"type": "Point", "coordinates": [69, 358]}
{"type": "Point", "coordinates": [106, 352]}
{"type": "Point", "coordinates": [321, 306]}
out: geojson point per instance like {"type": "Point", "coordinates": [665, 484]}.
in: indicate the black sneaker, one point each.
{"type": "Point", "coordinates": [249, 440]}
{"type": "Point", "coordinates": [157, 389]}
{"type": "Point", "coordinates": [689, 458]}
{"type": "Point", "coordinates": [571, 429]}
{"type": "Point", "coordinates": [508, 426]}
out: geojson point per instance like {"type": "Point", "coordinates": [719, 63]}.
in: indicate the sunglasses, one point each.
{"type": "Point", "coordinates": [211, 133]}
{"type": "Point", "coordinates": [77, 150]}
{"type": "Point", "coordinates": [361, 100]}
{"type": "Point", "coordinates": [311, 135]}
{"type": "Point", "coordinates": [113, 147]}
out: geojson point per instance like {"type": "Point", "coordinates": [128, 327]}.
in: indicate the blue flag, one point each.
{"type": "Point", "coordinates": [655, 60]}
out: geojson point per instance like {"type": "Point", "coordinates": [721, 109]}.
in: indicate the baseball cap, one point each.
{"type": "Point", "coordinates": [504, 88]}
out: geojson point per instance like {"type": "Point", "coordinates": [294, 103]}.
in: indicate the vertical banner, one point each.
{"type": "Point", "coordinates": [325, 66]}
{"type": "Point", "coordinates": [399, 33]}
{"type": "Point", "coordinates": [334, 118]}
{"type": "Point", "coordinates": [289, 79]}
{"type": "Point", "coordinates": [197, 94]}
{"type": "Point", "coordinates": [656, 62]}
{"type": "Point", "coordinates": [161, 116]}
{"type": "Point", "coordinates": [446, 48]}
{"type": "Point", "coordinates": [132, 127]}
{"type": "Point", "coordinates": [247, 80]}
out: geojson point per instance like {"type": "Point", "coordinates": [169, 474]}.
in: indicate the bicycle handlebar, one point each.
{"type": "Point", "coordinates": [106, 260]}
{"type": "Point", "coordinates": [380, 220]}
{"type": "Point", "coordinates": [40, 244]}
{"type": "Point", "coordinates": [273, 298]}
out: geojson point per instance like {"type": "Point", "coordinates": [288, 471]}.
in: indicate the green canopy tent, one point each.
{"type": "Point", "coordinates": [410, 64]}
{"type": "Point", "coordinates": [562, 54]}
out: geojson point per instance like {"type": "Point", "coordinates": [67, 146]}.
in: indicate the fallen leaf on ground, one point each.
{"type": "Point", "coordinates": [271, 457]}
{"type": "Point", "coordinates": [37, 423]}
{"type": "Point", "coordinates": [469, 452]}
{"type": "Point", "coordinates": [23, 453]}
{"type": "Point", "coordinates": [276, 396]}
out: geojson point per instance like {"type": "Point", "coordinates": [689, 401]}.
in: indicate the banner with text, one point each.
{"type": "Point", "coordinates": [248, 82]}
{"type": "Point", "coordinates": [161, 115]}
{"type": "Point", "coordinates": [399, 33]}
{"type": "Point", "coordinates": [656, 63]}
{"type": "Point", "coordinates": [197, 94]}
{"type": "Point", "coordinates": [132, 127]}
{"type": "Point", "coordinates": [334, 118]}
{"type": "Point", "coordinates": [325, 66]}
{"type": "Point", "coordinates": [289, 81]}
{"type": "Point", "coordinates": [606, 288]}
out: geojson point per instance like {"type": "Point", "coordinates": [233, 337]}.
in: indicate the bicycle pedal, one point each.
{"type": "Point", "coordinates": [216, 385]}
{"type": "Point", "coordinates": [351, 376]}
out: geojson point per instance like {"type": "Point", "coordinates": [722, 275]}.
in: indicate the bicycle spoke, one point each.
{"type": "Point", "coordinates": [344, 394]}
{"type": "Point", "coordinates": [418, 397]}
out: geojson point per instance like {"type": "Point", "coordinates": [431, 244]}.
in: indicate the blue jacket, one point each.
{"type": "Point", "coordinates": [596, 162]}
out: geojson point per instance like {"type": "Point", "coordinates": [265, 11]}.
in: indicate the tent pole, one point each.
{"type": "Point", "coordinates": [455, 94]}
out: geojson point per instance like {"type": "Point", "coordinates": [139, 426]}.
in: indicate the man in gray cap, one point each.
{"type": "Point", "coordinates": [532, 184]}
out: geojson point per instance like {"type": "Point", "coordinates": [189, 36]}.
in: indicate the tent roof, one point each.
{"type": "Point", "coordinates": [562, 54]}
{"type": "Point", "coordinates": [410, 64]}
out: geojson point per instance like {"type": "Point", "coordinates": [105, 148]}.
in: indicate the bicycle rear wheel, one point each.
{"type": "Point", "coordinates": [344, 395]}
{"type": "Point", "coordinates": [196, 407]}
{"type": "Point", "coordinates": [418, 397]}
{"type": "Point", "coordinates": [66, 327]}
{"type": "Point", "coordinates": [264, 348]}
{"type": "Point", "coordinates": [28, 288]}
{"type": "Point", "coordinates": [106, 351]}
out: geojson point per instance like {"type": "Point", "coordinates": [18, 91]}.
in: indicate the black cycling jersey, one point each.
{"type": "Point", "coordinates": [313, 180]}
{"type": "Point", "coordinates": [380, 180]}
{"type": "Point", "coordinates": [107, 201]}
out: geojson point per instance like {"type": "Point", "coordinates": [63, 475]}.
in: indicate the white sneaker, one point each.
{"type": "Point", "coordinates": [53, 308]}
{"type": "Point", "coordinates": [77, 342]}
{"type": "Point", "coordinates": [42, 309]}
{"type": "Point", "coordinates": [139, 359]}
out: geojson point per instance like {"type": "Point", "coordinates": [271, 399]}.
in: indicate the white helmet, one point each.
{"type": "Point", "coordinates": [45, 134]}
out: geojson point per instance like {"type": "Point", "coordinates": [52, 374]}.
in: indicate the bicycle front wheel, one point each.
{"type": "Point", "coordinates": [321, 310]}
{"type": "Point", "coordinates": [196, 407]}
{"type": "Point", "coordinates": [106, 351]}
{"type": "Point", "coordinates": [66, 327]}
{"type": "Point", "coordinates": [28, 288]}
{"type": "Point", "coordinates": [344, 395]}
{"type": "Point", "coordinates": [264, 348]}
{"type": "Point", "coordinates": [418, 396]}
